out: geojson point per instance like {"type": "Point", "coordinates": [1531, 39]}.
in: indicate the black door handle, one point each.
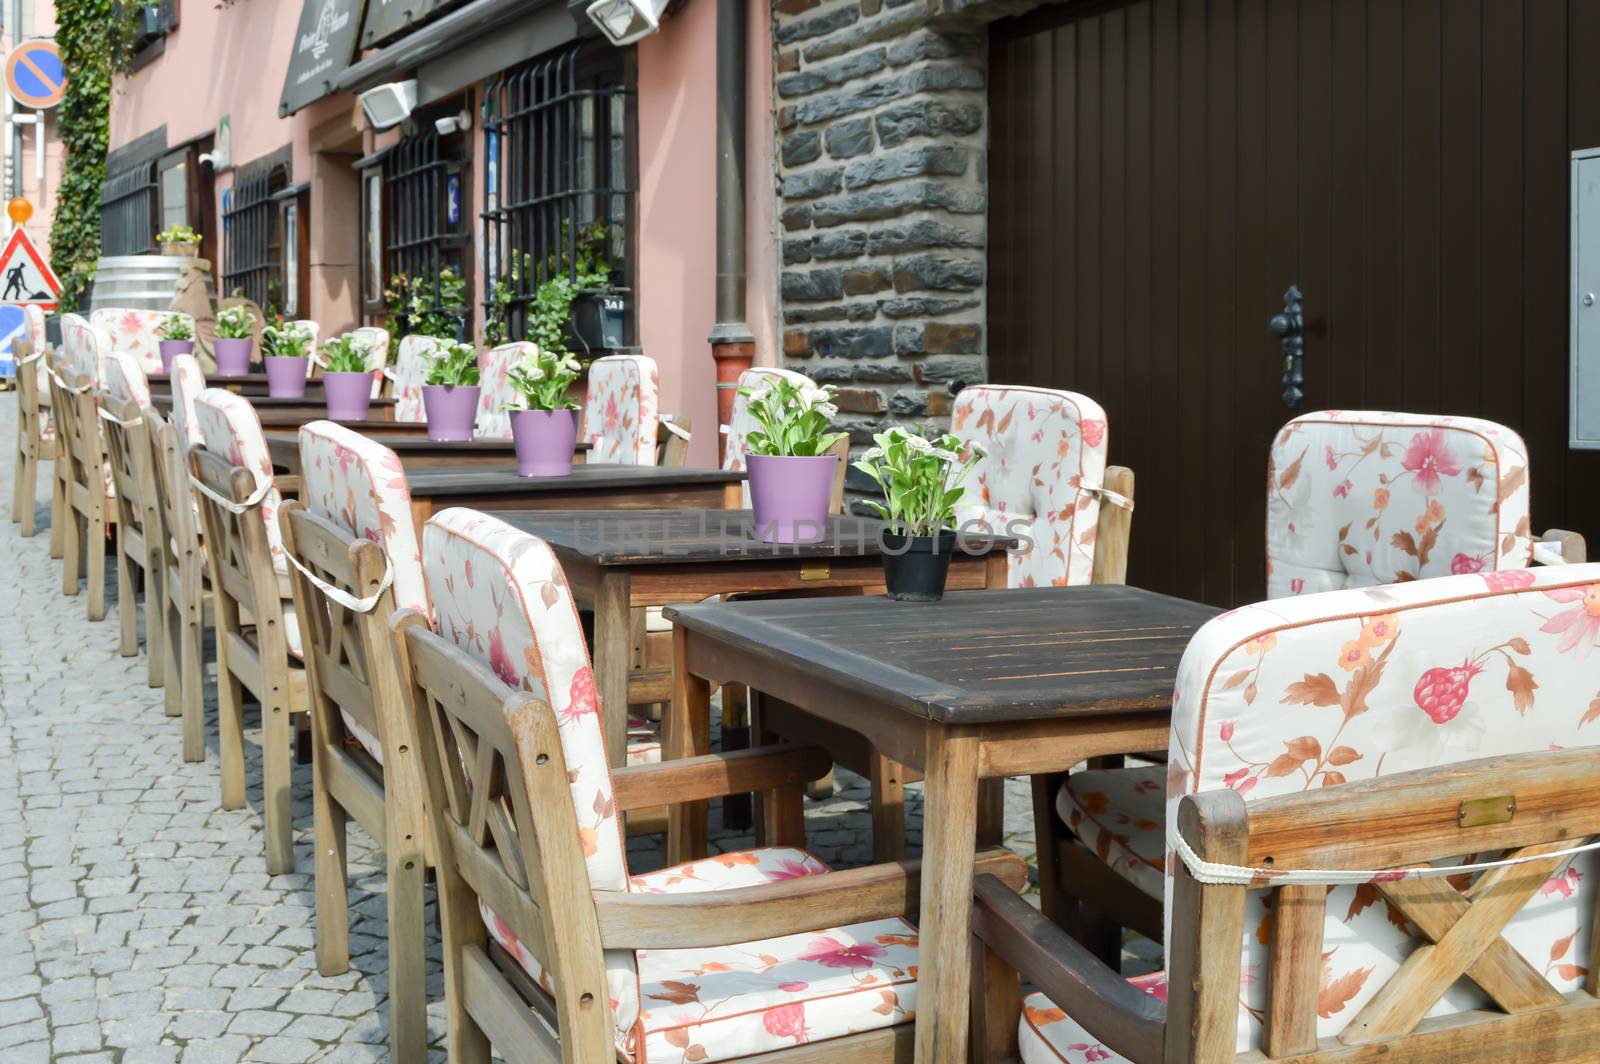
{"type": "Point", "coordinates": [1290, 324]}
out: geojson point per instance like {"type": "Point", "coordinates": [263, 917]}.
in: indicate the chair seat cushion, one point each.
{"type": "Point", "coordinates": [728, 1002]}
{"type": "Point", "coordinates": [1048, 1035]}
{"type": "Point", "coordinates": [1119, 814]}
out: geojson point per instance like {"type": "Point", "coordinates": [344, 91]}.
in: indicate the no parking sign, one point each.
{"type": "Point", "coordinates": [35, 75]}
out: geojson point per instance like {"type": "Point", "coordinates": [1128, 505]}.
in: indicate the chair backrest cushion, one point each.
{"type": "Point", "coordinates": [410, 370]}
{"type": "Point", "coordinates": [125, 379]}
{"type": "Point", "coordinates": [86, 347]}
{"type": "Point", "coordinates": [229, 427]}
{"type": "Point", "coordinates": [133, 332]}
{"type": "Point", "coordinates": [621, 412]}
{"type": "Point", "coordinates": [1362, 497]}
{"type": "Point", "coordinates": [1044, 457]}
{"type": "Point", "coordinates": [1303, 693]}
{"type": "Point", "coordinates": [740, 423]}
{"type": "Point", "coordinates": [494, 372]}
{"type": "Point", "coordinates": [188, 381]}
{"type": "Point", "coordinates": [359, 483]}
{"type": "Point", "coordinates": [33, 316]}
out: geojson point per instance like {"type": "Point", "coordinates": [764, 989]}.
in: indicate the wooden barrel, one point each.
{"type": "Point", "coordinates": [142, 282]}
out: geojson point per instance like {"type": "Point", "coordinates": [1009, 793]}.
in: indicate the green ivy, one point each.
{"type": "Point", "coordinates": [95, 38]}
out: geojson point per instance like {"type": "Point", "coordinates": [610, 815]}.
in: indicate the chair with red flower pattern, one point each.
{"type": "Point", "coordinates": [36, 434]}
{"type": "Point", "coordinates": [737, 957]}
{"type": "Point", "coordinates": [737, 430]}
{"type": "Point", "coordinates": [1351, 775]}
{"type": "Point", "coordinates": [314, 331]}
{"type": "Point", "coordinates": [88, 510]}
{"type": "Point", "coordinates": [410, 372]}
{"type": "Point", "coordinates": [123, 403]}
{"type": "Point", "coordinates": [495, 391]}
{"type": "Point", "coordinates": [133, 332]}
{"type": "Point", "coordinates": [621, 411]}
{"type": "Point", "coordinates": [257, 633]}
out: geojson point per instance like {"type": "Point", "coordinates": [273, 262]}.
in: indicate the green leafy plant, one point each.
{"type": "Point", "coordinates": [426, 304]}
{"type": "Point", "coordinates": [235, 323]}
{"type": "Point", "coordinates": [285, 340]}
{"type": "Point", "coordinates": [175, 327]}
{"type": "Point", "coordinates": [542, 381]}
{"type": "Point", "coordinates": [345, 354]}
{"type": "Point", "coordinates": [453, 364]}
{"type": "Point", "coordinates": [920, 477]}
{"type": "Point", "coordinates": [502, 294]}
{"type": "Point", "coordinates": [560, 277]}
{"type": "Point", "coordinates": [177, 234]}
{"type": "Point", "coordinates": [793, 421]}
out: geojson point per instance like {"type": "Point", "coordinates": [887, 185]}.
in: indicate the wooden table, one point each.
{"type": "Point", "coordinates": [981, 686]}
{"type": "Point", "coordinates": [587, 487]}
{"type": "Point", "coordinates": [279, 413]}
{"type": "Point", "coordinates": [253, 384]}
{"type": "Point", "coordinates": [620, 560]}
{"type": "Point", "coordinates": [415, 451]}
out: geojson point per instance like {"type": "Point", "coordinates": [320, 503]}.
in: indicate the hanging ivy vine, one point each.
{"type": "Point", "coordinates": [95, 38]}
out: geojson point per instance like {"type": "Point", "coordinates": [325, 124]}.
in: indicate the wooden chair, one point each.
{"type": "Point", "coordinates": [1375, 742]}
{"type": "Point", "coordinates": [88, 512]}
{"type": "Point", "coordinates": [544, 927]}
{"type": "Point", "coordinates": [672, 444]}
{"type": "Point", "coordinates": [1356, 498]}
{"type": "Point", "coordinates": [621, 410]}
{"type": "Point", "coordinates": [36, 433]}
{"type": "Point", "coordinates": [258, 637]}
{"type": "Point", "coordinates": [494, 371]}
{"type": "Point", "coordinates": [353, 557]}
{"type": "Point", "coordinates": [186, 586]}
{"type": "Point", "coordinates": [140, 530]}
{"type": "Point", "coordinates": [133, 332]}
{"type": "Point", "coordinates": [408, 375]}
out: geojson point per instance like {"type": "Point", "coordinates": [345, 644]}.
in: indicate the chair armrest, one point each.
{"type": "Point", "coordinates": [1558, 547]}
{"type": "Point", "coordinates": [1121, 1016]}
{"type": "Point", "coordinates": [772, 910]}
{"type": "Point", "coordinates": [695, 779]}
{"type": "Point", "coordinates": [287, 483]}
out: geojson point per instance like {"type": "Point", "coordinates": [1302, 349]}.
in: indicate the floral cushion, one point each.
{"type": "Point", "coordinates": [410, 371]}
{"type": "Point", "coordinates": [73, 342]}
{"type": "Point", "coordinates": [1118, 813]}
{"type": "Point", "coordinates": [1309, 692]}
{"type": "Point", "coordinates": [133, 332]}
{"type": "Point", "coordinates": [229, 427]}
{"type": "Point", "coordinates": [1044, 456]}
{"type": "Point", "coordinates": [621, 412]}
{"type": "Point", "coordinates": [741, 424]}
{"type": "Point", "coordinates": [1047, 1035]}
{"type": "Point", "coordinates": [188, 381]}
{"type": "Point", "coordinates": [495, 391]}
{"type": "Point", "coordinates": [125, 380]}
{"type": "Point", "coordinates": [1356, 498]}
{"type": "Point", "coordinates": [314, 331]}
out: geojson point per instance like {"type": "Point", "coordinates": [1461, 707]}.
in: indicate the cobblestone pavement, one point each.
{"type": "Point", "coordinates": [137, 922]}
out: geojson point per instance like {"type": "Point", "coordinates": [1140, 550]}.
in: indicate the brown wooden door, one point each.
{"type": "Point", "coordinates": [1161, 171]}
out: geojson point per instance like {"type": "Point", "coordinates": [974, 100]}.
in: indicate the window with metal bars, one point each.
{"type": "Point", "coordinates": [560, 146]}
{"type": "Point", "coordinates": [128, 211]}
{"type": "Point", "coordinates": [425, 234]}
{"type": "Point", "coordinates": [253, 224]}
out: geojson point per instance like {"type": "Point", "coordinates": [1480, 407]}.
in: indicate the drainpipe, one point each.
{"type": "Point", "coordinates": [732, 342]}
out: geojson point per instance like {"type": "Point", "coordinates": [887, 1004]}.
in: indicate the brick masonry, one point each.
{"type": "Point", "coordinates": [882, 132]}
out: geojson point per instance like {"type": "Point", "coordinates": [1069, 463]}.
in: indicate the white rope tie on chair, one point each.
{"type": "Point", "coordinates": [1239, 876]}
{"type": "Point", "coordinates": [36, 356]}
{"type": "Point", "coordinates": [1115, 498]}
{"type": "Point", "coordinates": [342, 597]}
{"type": "Point", "coordinates": [676, 429]}
{"type": "Point", "coordinates": [69, 389]}
{"type": "Point", "coordinates": [106, 415]}
{"type": "Point", "coordinates": [228, 504]}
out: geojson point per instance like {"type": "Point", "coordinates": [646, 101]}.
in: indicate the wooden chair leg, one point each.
{"type": "Point", "coordinates": [127, 597]}
{"type": "Point", "coordinates": [171, 650]}
{"type": "Point", "coordinates": [888, 809]}
{"type": "Point", "coordinates": [94, 542]}
{"type": "Point", "coordinates": [408, 958]}
{"type": "Point", "coordinates": [230, 710]}
{"type": "Point", "coordinates": [16, 487]}
{"type": "Point", "coordinates": [58, 507]}
{"type": "Point", "coordinates": [996, 1006]}
{"type": "Point", "coordinates": [155, 618]}
{"type": "Point", "coordinates": [72, 536]}
{"type": "Point", "coordinates": [277, 733]}
{"type": "Point", "coordinates": [27, 491]}
{"type": "Point", "coordinates": [331, 868]}
{"type": "Point", "coordinates": [1045, 836]}
{"type": "Point", "coordinates": [192, 685]}
{"type": "Point", "coordinates": [462, 928]}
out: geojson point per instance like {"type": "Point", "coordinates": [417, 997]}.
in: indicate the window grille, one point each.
{"type": "Point", "coordinates": [128, 206]}
{"type": "Point", "coordinates": [424, 223]}
{"type": "Point", "coordinates": [559, 146]}
{"type": "Point", "coordinates": [254, 228]}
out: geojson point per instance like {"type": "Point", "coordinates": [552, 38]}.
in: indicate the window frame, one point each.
{"type": "Point", "coordinates": [416, 232]}
{"type": "Point", "coordinates": [253, 251]}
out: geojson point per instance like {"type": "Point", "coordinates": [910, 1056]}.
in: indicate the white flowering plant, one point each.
{"type": "Point", "coordinates": [542, 381]}
{"type": "Point", "coordinates": [345, 354]}
{"type": "Point", "coordinates": [921, 479]}
{"type": "Point", "coordinates": [175, 327]}
{"type": "Point", "coordinates": [287, 339]}
{"type": "Point", "coordinates": [453, 364]}
{"type": "Point", "coordinates": [235, 323]}
{"type": "Point", "coordinates": [792, 420]}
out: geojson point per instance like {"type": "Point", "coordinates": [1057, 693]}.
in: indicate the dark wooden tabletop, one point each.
{"type": "Point", "coordinates": [977, 656]}
{"type": "Point", "coordinates": [251, 384]}
{"type": "Point", "coordinates": [648, 537]}
{"type": "Point", "coordinates": [443, 482]}
{"type": "Point", "coordinates": [277, 402]}
{"type": "Point", "coordinates": [414, 451]}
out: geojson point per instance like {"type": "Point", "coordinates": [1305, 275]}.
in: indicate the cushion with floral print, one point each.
{"type": "Point", "coordinates": [621, 410]}
{"type": "Point", "coordinates": [74, 340]}
{"type": "Point", "coordinates": [375, 339]}
{"type": "Point", "coordinates": [741, 424]}
{"type": "Point", "coordinates": [494, 372]}
{"type": "Point", "coordinates": [1044, 457]}
{"type": "Point", "coordinates": [410, 372]}
{"type": "Point", "coordinates": [1118, 814]}
{"type": "Point", "coordinates": [1362, 497]}
{"type": "Point", "coordinates": [1047, 1035]}
{"type": "Point", "coordinates": [188, 381]}
{"type": "Point", "coordinates": [1308, 692]}
{"type": "Point", "coordinates": [229, 426]}
{"type": "Point", "coordinates": [314, 331]}
{"type": "Point", "coordinates": [133, 332]}
{"type": "Point", "coordinates": [125, 380]}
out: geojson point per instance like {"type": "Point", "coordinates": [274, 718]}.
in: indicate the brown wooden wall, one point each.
{"type": "Point", "coordinates": [1160, 171]}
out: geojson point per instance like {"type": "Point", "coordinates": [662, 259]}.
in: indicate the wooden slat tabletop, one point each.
{"type": "Point", "coordinates": [280, 402]}
{"type": "Point", "coordinates": [445, 482]}
{"type": "Point", "coordinates": [977, 656]}
{"type": "Point", "coordinates": [632, 537]}
{"type": "Point", "coordinates": [252, 384]}
{"type": "Point", "coordinates": [415, 451]}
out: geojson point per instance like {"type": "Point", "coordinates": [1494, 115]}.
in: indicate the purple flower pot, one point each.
{"type": "Point", "coordinates": [171, 349]}
{"type": "Point", "coordinates": [544, 441]}
{"type": "Point", "coordinates": [233, 356]}
{"type": "Point", "coordinates": [286, 376]}
{"type": "Point", "coordinates": [349, 395]}
{"type": "Point", "coordinates": [790, 496]}
{"type": "Point", "coordinates": [451, 410]}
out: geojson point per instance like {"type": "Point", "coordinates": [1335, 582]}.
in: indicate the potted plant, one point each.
{"type": "Point", "coordinates": [174, 336]}
{"type": "Point", "coordinates": [346, 379]}
{"type": "Point", "coordinates": [791, 471]}
{"type": "Point", "coordinates": [233, 343]}
{"type": "Point", "coordinates": [544, 418]}
{"type": "Point", "coordinates": [178, 240]}
{"type": "Point", "coordinates": [450, 392]}
{"type": "Point", "coordinates": [285, 348]}
{"type": "Point", "coordinates": [921, 481]}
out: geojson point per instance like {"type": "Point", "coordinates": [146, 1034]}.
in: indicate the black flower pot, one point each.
{"type": "Point", "coordinates": [915, 567]}
{"type": "Point", "coordinates": [599, 318]}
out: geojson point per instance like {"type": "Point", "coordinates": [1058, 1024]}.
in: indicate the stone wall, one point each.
{"type": "Point", "coordinates": [882, 132]}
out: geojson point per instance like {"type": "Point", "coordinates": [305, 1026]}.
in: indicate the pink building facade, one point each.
{"type": "Point", "coordinates": [313, 213]}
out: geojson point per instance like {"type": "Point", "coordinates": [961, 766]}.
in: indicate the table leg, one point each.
{"type": "Point", "coordinates": [612, 656]}
{"type": "Point", "coordinates": [686, 732]}
{"type": "Point", "coordinates": [992, 812]}
{"type": "Point", "coordinates": [949, 840]}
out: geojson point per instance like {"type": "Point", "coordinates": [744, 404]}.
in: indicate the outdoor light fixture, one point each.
{"type": "Point", "coordinates": [626, 21]}
{"type": "Point", "coordinates": [388, 105]}
{"type": "Point", "coordinates": [453, 123]}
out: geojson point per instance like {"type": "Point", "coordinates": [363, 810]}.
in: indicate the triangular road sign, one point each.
{"type": "Point", "coordinates": [24, 275]}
